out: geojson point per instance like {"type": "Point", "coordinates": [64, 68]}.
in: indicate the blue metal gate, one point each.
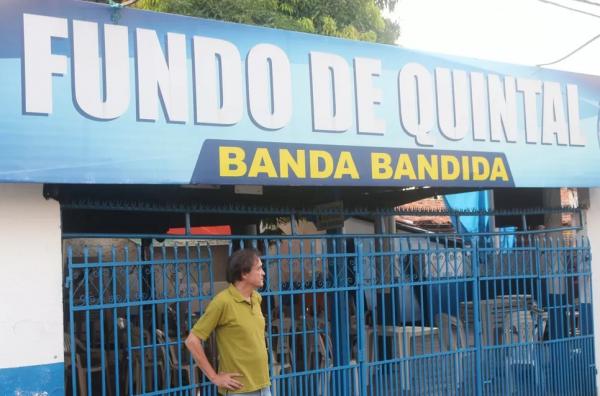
{"type": "Point", "coordinates": [487, 314]}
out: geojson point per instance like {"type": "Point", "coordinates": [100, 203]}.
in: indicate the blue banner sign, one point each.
{"type": "Point", "coordinates": [94, 94]}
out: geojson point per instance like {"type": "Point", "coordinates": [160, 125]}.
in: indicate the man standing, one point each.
{"type": "Point", "coordinates": [235, 315]}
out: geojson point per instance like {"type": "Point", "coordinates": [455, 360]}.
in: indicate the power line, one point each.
{"type": "Point", "coordinates": [571, 8]}
{"type": "Point", "coordinates": [574, 10]}
{"type": "Point", "coordinates": [572, 52]}
{"type": "Point", "coordinates": [588, 2]}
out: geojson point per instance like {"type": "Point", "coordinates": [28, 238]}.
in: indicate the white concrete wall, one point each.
{"type": "Point", "coordinates": [31, 311]}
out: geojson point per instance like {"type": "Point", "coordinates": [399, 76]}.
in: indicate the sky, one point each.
{"type": "Point", "coordinates": [528, 32]}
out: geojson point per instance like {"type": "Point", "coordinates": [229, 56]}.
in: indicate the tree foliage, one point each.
{"type": "Point", "coordinates": [351, 19]}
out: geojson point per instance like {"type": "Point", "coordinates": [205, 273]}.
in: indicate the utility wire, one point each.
{"type": "Point", "coordinates": [588, 2]}
{"type": "Point", "coordinates": [571, 8]}
{"type": "Point", "coordinates": [582, 46]}
{"type": "Point", "coordinates": [572, 52]}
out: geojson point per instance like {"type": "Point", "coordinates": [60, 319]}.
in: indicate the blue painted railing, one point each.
{"type": "Point", "coordinates": [346, 314]}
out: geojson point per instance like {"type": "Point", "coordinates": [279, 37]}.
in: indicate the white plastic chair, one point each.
{"type": "Point", "coordinates": [452, 339]}
{"type": "Point", "coordinates": [82, 369]}
{"type": "Point", "coordinates": [145, 358]}
{"type": "Point", "coordinates": [519, 328]}
{"type": "Point", "coordinates": [520, 334]}
{"type": "Point", "coordinates": [323, 357]}
{"type": "Point", "coordinates": [170, 351]}
{"type": "Point", "coordinates": [81, 374]}
{"type": "Point", "coordinates": [278, 368]}
{"type": "Point", "coordinates": [281, 333]}
{"type": "Point", "coordinates": [452, 332]}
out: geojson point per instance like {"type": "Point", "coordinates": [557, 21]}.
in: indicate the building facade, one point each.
{"type": "Point", "coordinates": [119, 125]}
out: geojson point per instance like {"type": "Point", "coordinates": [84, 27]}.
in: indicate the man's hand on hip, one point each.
{"type": "Point", "coordinates": [227, 381]}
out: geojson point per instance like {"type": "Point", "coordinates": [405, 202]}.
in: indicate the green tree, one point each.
{"type": "Point", "coordinates": [351, 19]}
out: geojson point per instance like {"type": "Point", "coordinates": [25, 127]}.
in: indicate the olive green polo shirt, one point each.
{"type": "Point", "coordinates": [240, 332]}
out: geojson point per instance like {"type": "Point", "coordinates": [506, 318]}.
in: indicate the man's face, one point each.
{"type": "Point", "coordinates": [256, 276]}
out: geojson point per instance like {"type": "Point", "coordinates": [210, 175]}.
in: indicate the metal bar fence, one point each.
{"type": "Point", "coordinates": [455, 314]}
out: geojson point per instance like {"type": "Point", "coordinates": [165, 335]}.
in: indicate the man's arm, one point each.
{"type": "Point", "coordinates": [223, 380]}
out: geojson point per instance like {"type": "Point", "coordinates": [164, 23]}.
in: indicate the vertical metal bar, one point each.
{"type": "Point", "coordinates": [394, 289]}
{"type": "Point", "coordinates": [558, 313]}
{"type": "Point", "coordinates": [574, 341]}
{"type": "Point", "coordinates": [210, 267]}
{"type": "Point", "coordinates": [476, 318]}
{"type": "Point", "coordinates": [115, 320]}
{"type": "Point", "coordinates": [538, 297]}
{"type": "Point", "coordinates": [128, 324]}
{"type": "Point", "coordinates": [142, 297]}
{"type": "Point", "coordinates": [101, 313]}
{"type": "Point", "coordinates": [349, 258]}
{"type": "Point", "coordinates": [188, 224]}
{"type": "Point", "coordinates": [280, 315]}
{"type": "Point", "coordinates": [423, 279]}
{"type": "Point", "coordinates": [579, 372]}
{"type": "Point", "coordinates": [408, 280]}
{"type": "Point", "coordinates": [433, 285]}
{"type": "Point", "coordinates": [378, 327]}
{"type": "Point", "coordinates": [565, 314]}
{"type": "Point", "coordinates": [177, 313]}
{"type": "Point", "coordinates": [293, 224]}
{"type": "Point", "coordinates": [498, 275]}
{"type": "Point", "coordinates": [307, 381]}
{"type": "Point", "coordinates": [72, 344]}
{"type": "Point", "coordinates": [551, 307]}
{"type": "Point", "coordinates": [194, 267]}
{"type": "Point", "coordinates": [188, 307]}
{"type": "Point", "coordinates": [360, 316]}
{"type": "Point", "coordinates": [590, 328]}
{"type": "Point", "coordinates": [153, 315]}
{"type": "Point", "coordinates": [460, 274]}
{"type": "Point", "coordinates": [326, 327]}
{"type": "Point", "coordinates": [456, 275]}
{"type": "Point", "coordinates": [165, 296]}
{"type": "Point", "coordinates": [291, 295]}
{"type": "Point", "coordinates": [398, 283]}
{"type": "Point", "coordinates": [335, 300]}
{"type": "Point", "coordinates": [88, 349]}
{"type": "Point", "coordinates": [511, 275]}
{"type": "Point", "coordinates": [269, 325]}
{"type": "Point", "coordinates": [457, 222]}
{"type": "Point", "coordinates": [368, 339]}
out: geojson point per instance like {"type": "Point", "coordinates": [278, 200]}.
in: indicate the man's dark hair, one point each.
{"type": "Point", "coordinates": [240, 263]}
